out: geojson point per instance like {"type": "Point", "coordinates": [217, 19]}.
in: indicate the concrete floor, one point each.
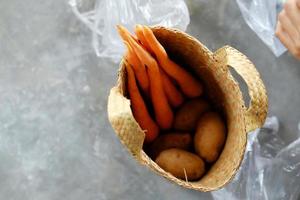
{"type": "Point", "coordinates": [43, 44]}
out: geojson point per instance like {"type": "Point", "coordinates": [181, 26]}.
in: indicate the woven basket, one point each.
{"type": "Point", "coordinates": [224, 92]}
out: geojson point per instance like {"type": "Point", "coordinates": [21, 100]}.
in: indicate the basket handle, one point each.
{"type": "Point", "coordinates": [257, 112]}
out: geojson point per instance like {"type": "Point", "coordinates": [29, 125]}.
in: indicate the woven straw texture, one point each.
{"type": "Point", "coordinates": [224, 92]}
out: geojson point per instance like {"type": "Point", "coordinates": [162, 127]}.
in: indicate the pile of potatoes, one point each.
{"type": "Point", "coordinates": [195, 142]}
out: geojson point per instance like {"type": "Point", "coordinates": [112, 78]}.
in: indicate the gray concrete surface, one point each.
{"type": "Point", "coordinates": [55, 139]}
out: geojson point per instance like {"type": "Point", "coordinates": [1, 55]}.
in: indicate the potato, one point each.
{"type": "Point", "coordinates": [210, 136]}
{"type": "Point", "coordinates": [181, 164]}
{"type": "Point", "coordinates": [188, 114]}
{"type": "Point", "coordinates": [170, 140]}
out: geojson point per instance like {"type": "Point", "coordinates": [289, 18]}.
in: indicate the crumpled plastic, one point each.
{"type": "Point", "coordinates": [270, 169]}
{"type": "Point", "coordinates": [102, 16]}
{"type": "Point", "coordinates": [261, 17]}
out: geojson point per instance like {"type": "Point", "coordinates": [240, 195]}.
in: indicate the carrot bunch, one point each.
{"type": "Point", "coordinates": [153, 77]}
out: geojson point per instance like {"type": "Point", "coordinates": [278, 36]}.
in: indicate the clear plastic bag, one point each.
{"type": "Point", "coordinates": [270, 169]}
{"type": "Point", "coordinates": [101, 16]}
{"type": "Point", "coordinates": [261, 16]}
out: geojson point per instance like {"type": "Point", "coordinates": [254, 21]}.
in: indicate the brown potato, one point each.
{"type": "Point", "coordinates": [181, 164]}
{"type": "Point", "coordinates": [188, 114]}
{"type": "Point", "coordinates": [210, 136]}
{"type": "Point", "coordinates": [170, 140]}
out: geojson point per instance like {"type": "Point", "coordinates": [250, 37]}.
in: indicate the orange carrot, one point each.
{"type": "Point", "coordinates": [139, 108]}
{"type": "Point", "coordinates": [126, 32]}
{"type": "Point", "coordinates": [174, 96]}
{"type": "Point", "coordinates": [163, 112]}
{"type": "Point", "coordinates": [140, 35]}
{"type": "Point", "coordinates": [138, 68]}
{"type": "Point", "coordinates": [190, 86]}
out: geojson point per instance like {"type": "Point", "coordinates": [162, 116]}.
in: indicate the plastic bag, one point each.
{"type": "Point", "coordinates": [101, 16]}
{"type": "Point", "coordinates": [270, 169]}
{"type": "Point", "coordinates": [261, 16]}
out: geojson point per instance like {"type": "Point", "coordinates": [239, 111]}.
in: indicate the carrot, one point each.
{"type": "Point", "coordinates": [139, 108]}
{"type": "Point", "coordinates": [125, 33]}
{"type": "Point", "coordinates": [163, 112]}
{"type": "Point", "coordinates": [190, 86]}
{"type": "Point", "coordinates": [138, 68]}
{"type": "Point", "coordinates": [140, 35]}
{"type": "Point", "coordinates": [174, 96]}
